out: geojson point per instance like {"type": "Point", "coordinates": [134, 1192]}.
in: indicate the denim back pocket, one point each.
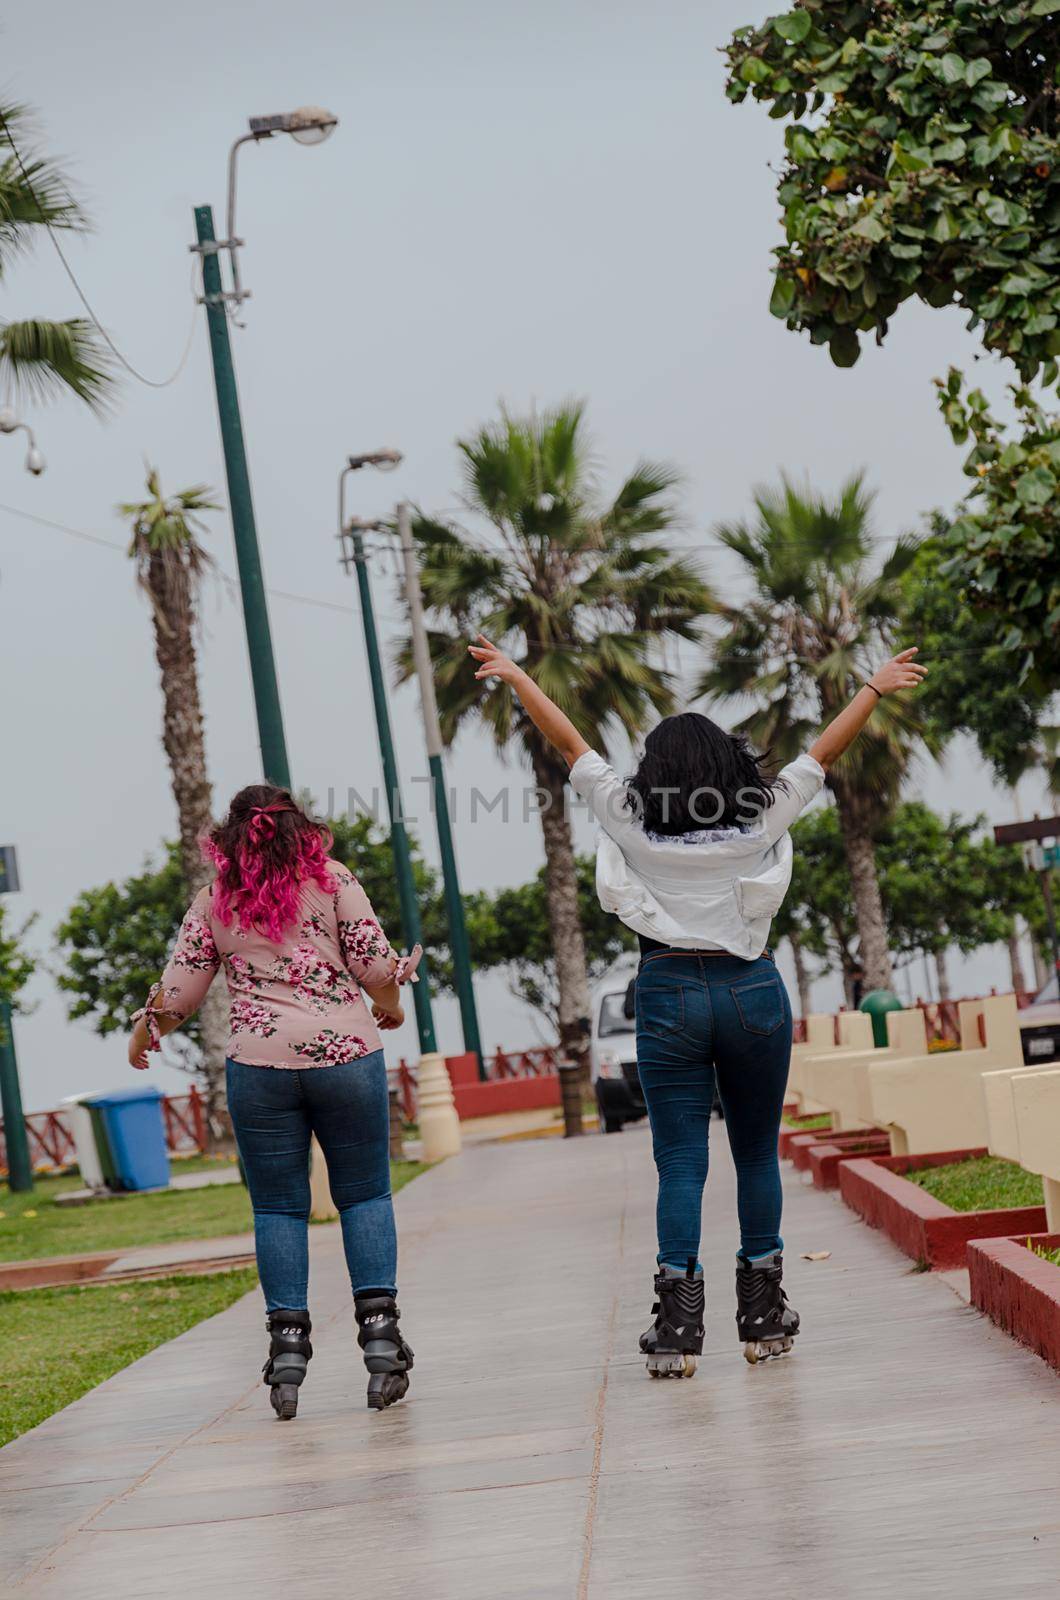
{"type": "Point", "coordinates": [660, 1010]}
{"type": "Point", "coordinates": [760, 1004]}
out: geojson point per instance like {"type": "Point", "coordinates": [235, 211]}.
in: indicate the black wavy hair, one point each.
{"type": "Point", "coordinates": [695, 775]}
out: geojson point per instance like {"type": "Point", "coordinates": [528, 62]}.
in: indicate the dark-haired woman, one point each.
{"type": "Point", "coordinates": [695, 857]}
{"type": "Point", "coordinates": [298, 942]}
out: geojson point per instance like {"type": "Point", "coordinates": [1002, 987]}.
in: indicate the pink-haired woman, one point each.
{"type": "Point", "coordinates": [298, 942]}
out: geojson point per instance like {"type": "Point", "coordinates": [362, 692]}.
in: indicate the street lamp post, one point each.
{"type": "Point", "coordinates": [454, 904]}
{"type": "Point", "coordinates": [352, 531]}
{"type": "Point", "coordinates": [19, 1165]}
{"type": "Point", "coordinates": [308, 125]}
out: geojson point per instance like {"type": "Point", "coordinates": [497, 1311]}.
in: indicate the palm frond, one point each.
{"type": "Point", "coordinates": [34, 192]}
{"type": "Point", "coordinates": [41, 360]}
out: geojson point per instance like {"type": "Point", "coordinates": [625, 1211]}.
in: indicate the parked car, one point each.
{"type": "Point", "coordinates": [613, 1047]}
{"type": "Point", "coordinates": [1040, 1025]}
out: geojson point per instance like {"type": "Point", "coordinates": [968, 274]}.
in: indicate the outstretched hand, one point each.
{"type": "Point", "coordinates": [901, 673]}
{"type": "Point", "coordinates": [493, 663]}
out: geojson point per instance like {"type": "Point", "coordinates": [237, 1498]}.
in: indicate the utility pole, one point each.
{"type": "Point", "coordinates": [399, 839]}
{"type": "Point", "coordinates": [19, 1166]}
{"type": "Point", "coordinates": [248, 556]}
{"type": "Point", "coordinates": [454, 905]}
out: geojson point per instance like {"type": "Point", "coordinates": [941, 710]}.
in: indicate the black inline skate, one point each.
{"type": "Point", "coordinates": [675, 1338]}
{"type": "Point", "coordinates": [765, 1322]}
{"type": "Point", "coordinates": [289, 1355]}
{"type": "Point", "coordinates": [386, 1355]}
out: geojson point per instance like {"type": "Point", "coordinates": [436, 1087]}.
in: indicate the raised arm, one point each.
{"type": "Point", "coordinates": [901, 673]}
{"type": "Point", "coordinates": [546, 716]}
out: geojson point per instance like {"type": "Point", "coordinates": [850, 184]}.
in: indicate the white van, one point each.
{"type": "Point", "coordinates": [613, 1047]}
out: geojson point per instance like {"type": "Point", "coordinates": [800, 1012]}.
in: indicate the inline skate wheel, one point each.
{"type": "Point", "coordinates": [284, 1397]}
{"type": "Point", "coordinates": [671, 1364]}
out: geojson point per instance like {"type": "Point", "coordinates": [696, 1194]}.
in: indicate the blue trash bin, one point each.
{"type": "Point", "coordinates": [136, 1135]}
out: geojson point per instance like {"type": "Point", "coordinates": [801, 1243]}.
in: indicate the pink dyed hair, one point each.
{"type": "Point", "coordinates": [264, 851]}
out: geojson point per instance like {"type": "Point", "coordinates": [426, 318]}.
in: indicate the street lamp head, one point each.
{"type": "Point", "coordinates": [385, 460]}
{"type": "Point", "coordinates": [307, 125]}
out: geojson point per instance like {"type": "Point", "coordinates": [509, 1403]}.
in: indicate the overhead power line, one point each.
{"type": "Point", "coordinates": [151, 383]}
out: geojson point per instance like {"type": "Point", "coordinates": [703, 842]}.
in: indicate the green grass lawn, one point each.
{"type": "Point", "coordinates": [810, 1124]}
{"type": "Point", "coordinates": [985, 1183]}
{"type": "Point", "coordinates": [34, 1225]}
{"type": "Point", "coordinates": [60, 1343]}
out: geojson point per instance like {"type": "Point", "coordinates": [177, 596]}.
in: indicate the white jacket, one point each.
{"type": "Point", "coordinates": [716, 889]}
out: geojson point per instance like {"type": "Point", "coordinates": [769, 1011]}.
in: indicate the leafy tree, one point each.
{"type": "Point", "coordinates": [17, 966]}
{"type": "Point", "coordinates": [937, 882]}
{"type": "Point", "coordinates": [581, 591]}
{"type": "Point", "coordinates": [974, 686]}
{"type": "Point", "coordinates": [512, 930]}
{"type": "Point", "coordinates": [1003, 548]}
{"type": "Point", "coordinates": [923, 161]}
{"type": "Point", "coordinates": [170, 564]}
{"type": "Point", "coordinates": [819, 901]}
{"type": "Point", "coordinates": [943, 884]}
{"type": "Point", "coordinates": [799, 646]}
{"type": "Point", "coordinates": [40, 359]}
{"type": "Point", "coordinates": [802, 918]}
{"type": "Point", "coordinates": [114, 942]}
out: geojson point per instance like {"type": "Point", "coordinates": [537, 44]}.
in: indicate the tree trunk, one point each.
{"type": "Point", "coordinates": [183, 742]}
{"type": "Point", "coordinates": [1040, 973]}
{"type": "Point", "coordinates": [942, 976]}
{"type": "Point", "coordinates": [802, 976]}
{"type": "Point", "coordinates": [855, 819]}
{"type": "Point", "coordinates": [1015, 959]}
{"type": "Point", "coordinates": [561, 886]}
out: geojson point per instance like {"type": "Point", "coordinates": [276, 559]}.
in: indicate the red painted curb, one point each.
{"type": "Point", "coordinates": [796, 1132]}
{"type": "Point", "coordinates": [801, 1148]}
{"type": "Point", "coordinates": [1019, 1291]}
{"type": "Point", "coordinates": [922, 1226]}
{"type": "Point", "coordinates": [825, 1158]}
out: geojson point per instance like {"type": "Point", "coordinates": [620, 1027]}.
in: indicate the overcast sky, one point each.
{"type": "Point", "coordinates": [520, 204]}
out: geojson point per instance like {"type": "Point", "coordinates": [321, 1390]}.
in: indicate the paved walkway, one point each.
{"type": "Point", "coordinates": [908, 1448]}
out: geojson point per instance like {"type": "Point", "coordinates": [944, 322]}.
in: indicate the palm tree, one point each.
{"type": "Point", "coordinates": [581, 592]}
{"type": "Point", "coordinates": [40, 359]}
{"type": "Point", "coordinates": [800, 644]}
{"type": "Point", "coordinates": [170, 566]}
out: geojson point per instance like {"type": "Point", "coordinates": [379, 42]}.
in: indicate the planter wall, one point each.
{"type": "Point", "coordinates": [476, 1099]}
{"type": "Point", "coordinates": [800, 1150]}
{"type": "Point", "coordinates": [794, 1131]}
{"type": "Point", "coordinates": [922, 1226]}
{"type": "Point", "coordinates": [825, 1159]}
{"type": "Point", "coordinates": [1019, 1291]}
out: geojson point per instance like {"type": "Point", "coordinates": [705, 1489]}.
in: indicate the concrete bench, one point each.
{"type": "Point", "coordinates": [935, 1102]}
{"type": "Point", "coordinates": [998, 1103]}
{"type": "Point", "coordinates": [820, 1035]}
{"type": "Point", "coordinates": [839, 1081]}
{"type": "Point", "coordinates": [1036, 1101]}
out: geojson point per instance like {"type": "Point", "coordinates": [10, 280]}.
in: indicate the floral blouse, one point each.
{"type": "Point", "coordinates": [295, 1004]}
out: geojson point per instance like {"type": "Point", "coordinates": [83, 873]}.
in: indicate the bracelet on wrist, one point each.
{"type": "Point", "coordinates": [877, 692]}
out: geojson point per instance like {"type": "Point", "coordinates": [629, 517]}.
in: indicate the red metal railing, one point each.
{"type": "Point", "coordinates": [51, 1139]}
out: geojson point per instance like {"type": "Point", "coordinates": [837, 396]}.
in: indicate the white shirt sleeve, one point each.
{"type": "Point", "coordinates": [604, 792]}
{"type": "Point", "coordinates": [797, 784]}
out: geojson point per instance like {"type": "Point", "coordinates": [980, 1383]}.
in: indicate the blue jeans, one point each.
{"type": "Point", "coordinates": [704, 1020]}
{"type": "Point", "coordinates": [274, 1112]}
